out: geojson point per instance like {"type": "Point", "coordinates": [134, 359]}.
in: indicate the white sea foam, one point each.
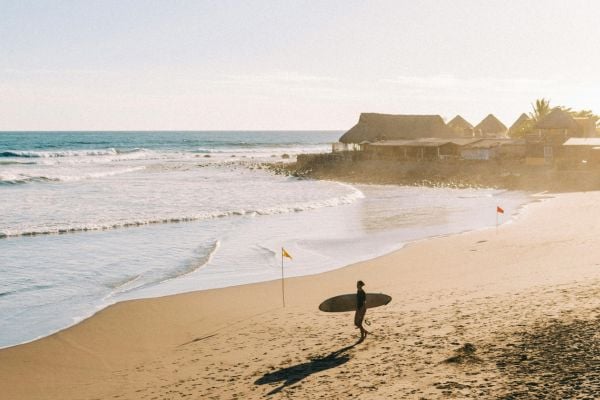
{"type": "Point", "coordinates": [237, 219]}
{"type": "Point", "coordinates": [100, 174]}
{"type": "Point", "coordinates": [63, 153]}
{"type": "Point", "coordinates": [57, 183]}
{"type": "Point", "coordinates": [268, 151]}
{"type": "Point", "coordinates": [63, 228]}
{"type": "Point", "coordinates": [13, 177]}
{"type": "Point", "coordinates": [9, 178]}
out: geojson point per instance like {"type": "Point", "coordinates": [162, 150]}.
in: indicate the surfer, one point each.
{"type": "Point", "coordinates": [361, 309]}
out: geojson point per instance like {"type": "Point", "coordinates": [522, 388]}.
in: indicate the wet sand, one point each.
{"type": "Point", "coordinates": [512, 313]}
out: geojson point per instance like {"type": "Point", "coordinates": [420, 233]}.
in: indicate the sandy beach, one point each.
{"type": "Point", "coordinates": [507, 313]}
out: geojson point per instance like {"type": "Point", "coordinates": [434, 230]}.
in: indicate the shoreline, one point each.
{"type": "Point", "coordinates": [207, 338]}
{"type": "Point", "coordinates": [530, 199]}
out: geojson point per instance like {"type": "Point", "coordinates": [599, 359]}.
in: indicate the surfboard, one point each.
{"type": "Point", "coordinates": [347, 302]}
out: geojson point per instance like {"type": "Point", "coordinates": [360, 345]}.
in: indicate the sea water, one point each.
{"type": "Point", "coordinates": [88, 219]}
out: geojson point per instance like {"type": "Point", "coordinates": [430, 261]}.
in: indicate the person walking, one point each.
{"type": "Point", "coordinates": [361, 309]}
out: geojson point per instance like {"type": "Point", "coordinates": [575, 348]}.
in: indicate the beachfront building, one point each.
{"type": "Point", "coordinates": [518, 128]}
{"type": "Point", "coordinates": [461, 127]}
{"type": "Point", "coordinates": [490, 127]}
{"type": "Point", "coordinates": [488, 149]}
{"type": "Point", "coordinates": [373, 127]}
{"type": "Point", "coordinates": [546, 142]}
{"type": "Point", "coordinates": [417, 149]}
{"type": "Point", "coordinates": [339, 146]}
{"type": "Point", "coordinates": [582, 151]}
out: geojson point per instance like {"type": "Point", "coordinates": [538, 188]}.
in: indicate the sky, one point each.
{"type": "Point", "coordinates": [278, 65]}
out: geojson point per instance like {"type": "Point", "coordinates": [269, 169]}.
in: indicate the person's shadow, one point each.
{"type": "Point", "coordinates": [290, 375]}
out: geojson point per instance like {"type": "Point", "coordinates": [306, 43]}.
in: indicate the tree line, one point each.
{"type": "Point", "coordinates": [541, 108]}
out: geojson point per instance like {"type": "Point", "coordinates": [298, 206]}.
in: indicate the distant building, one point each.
{"type": "Point", "coordinates": [373, 127]}
{"type": "Point", "coordinates": [558, 124]}
{"type": "Point", "coordinates": [417, 149]}
{"type": "Point", "coordinates": [550, 132]}
{"type": "Point", "coordinates": [490, 127]}
{"type": "Point", "coordinates": [461, 127]}
{"type": "Point", "coordinates": [339, 146]}
{"type": "Point", "coordinates": [582, 150]}
{"type": "Point", "coordinates": [488, 149]}
{"type": "Point", "coordinates": [517, 127]}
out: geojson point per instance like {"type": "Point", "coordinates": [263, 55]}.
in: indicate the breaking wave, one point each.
{"type": "Point", "coordinates": [144, 280]}
{"type": "Point", "coordinates": [11, 162]}
{"type": "Point", "coordinates": [263, 149]}
{"type": "Point", "coordinates": [18, 180]}
{"type": "Point", "coordinates": [283, 209]}
{"type": "Point", "coordinates": [24, 178]}
{"type": "Point", "coordinates": [68, 153]}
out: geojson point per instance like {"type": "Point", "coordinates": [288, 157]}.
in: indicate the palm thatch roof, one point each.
{"type": "Point", "coordinates": [520, 121]}
{"type": "Point", "coordinates": [558, 119]}
{"type": "Point", "coordinates": [374, 127]}
{"type": "Point", "coordinates": [459, 122]}
{"type": "Point", "coordinates": [491, 125]}
{"type": "Point", "coordinates": [461, 126]}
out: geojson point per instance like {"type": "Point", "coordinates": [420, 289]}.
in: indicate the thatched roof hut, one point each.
{"type": "Point", "coordinates": [374, 127]}
{"type": "Point", "coordinates": [461, 126]}
{"type": "Point", "coordinates": [521, 126]}
{"type": "Point", "coordinates": [558, 119]}
{"type": "Point", "coordinates": [490, 126]}
{"type": "Point", "coordinates": [523, 118]}
{"type": "Point", "coordinates": [552, 131]}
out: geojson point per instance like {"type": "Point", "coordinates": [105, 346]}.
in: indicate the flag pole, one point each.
{"type": "Point", "coordinates": [282, 285]}
{"type": "Point", "coordinates": [496, 220]}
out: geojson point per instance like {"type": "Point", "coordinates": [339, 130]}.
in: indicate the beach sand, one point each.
{"type": "Point", "coordinates": [507, 313]}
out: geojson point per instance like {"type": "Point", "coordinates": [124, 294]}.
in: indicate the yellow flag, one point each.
{"type": "Point", "coordinates": [285, 253]}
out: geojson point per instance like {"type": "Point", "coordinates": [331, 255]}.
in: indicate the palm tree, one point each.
{"type": "Point", "coordinates": [541, 108]}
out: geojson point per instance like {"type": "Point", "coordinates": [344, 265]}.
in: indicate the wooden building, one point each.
{"type": "Point", "coordinates": [488, 149]}
{"type": "Point", "coordinates": [461, 127]}
{"type": "Point", "coordinates": [582, 150]}
{"type": "Point", "coordinates": [520, 126]}
{"type": "Point", "coordinates": [373, 127]}
{"type": "Point", "coordinates": [490, 127]}
{"type": "Point", "coordinates": [550, 132]}
{"type": "Point", "coordinates": [418, 149]}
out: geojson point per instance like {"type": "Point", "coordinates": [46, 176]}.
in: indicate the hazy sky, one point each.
{"type": "Point", "coordinates": [289, 64]}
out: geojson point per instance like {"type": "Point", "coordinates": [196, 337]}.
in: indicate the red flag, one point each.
{"type": "Point", "coordinates": [499, 210]}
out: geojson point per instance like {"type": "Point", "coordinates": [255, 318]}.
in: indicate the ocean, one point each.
{"type": "Point", "coordinates": [88, 219]}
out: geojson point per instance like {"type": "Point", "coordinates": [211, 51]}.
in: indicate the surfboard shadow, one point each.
{"type": "Point", "coordinates": [296, 373]}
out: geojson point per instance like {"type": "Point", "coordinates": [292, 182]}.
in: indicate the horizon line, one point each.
{"type": "Point", "coordinates": [170, 130]}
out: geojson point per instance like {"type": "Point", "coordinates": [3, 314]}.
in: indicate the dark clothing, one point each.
{"type": "Point", "coordinates": [361, 297]}
{"type": "Point", "coordinates": [361, 307]}
{"type": "Point", "coordinates": [359, 316]}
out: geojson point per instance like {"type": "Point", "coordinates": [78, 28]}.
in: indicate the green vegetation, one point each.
{"type": "Point", "coordinates": [583, 114]}
{"type": "Point", "coordinates": [541, 108]}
